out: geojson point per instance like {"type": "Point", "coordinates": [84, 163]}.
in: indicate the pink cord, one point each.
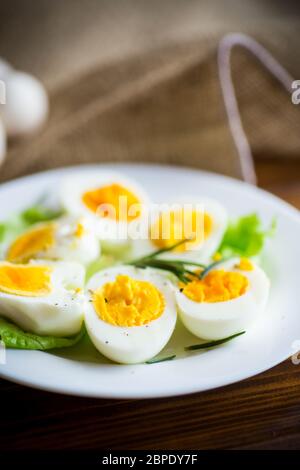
{"type": "Point", "coordinates": [224, 53]}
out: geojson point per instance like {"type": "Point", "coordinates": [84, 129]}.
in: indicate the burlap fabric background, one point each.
{"type": "Point", "coordinates": [162, 104]}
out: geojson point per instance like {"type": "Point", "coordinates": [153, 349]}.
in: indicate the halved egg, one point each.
{"type": "Point", "coordinates": [70, 239]}
{"type": "Point", "coordinates": [43, 298]}
{"type": "Point", "coordinates": [226, 301]}
{"type": "Point", "coordinates": [203, 222]}
{"type": "Point", "coordinates": [130, 314]}
{"type": "Point", "coordinates": [116, 204]}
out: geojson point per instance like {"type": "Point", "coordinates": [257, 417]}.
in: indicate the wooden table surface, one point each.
{"type": "Point", "coordinates": [259, 413]}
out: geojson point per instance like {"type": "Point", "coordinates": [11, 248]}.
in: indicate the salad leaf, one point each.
{"type": "Point", "coordinates": [40, 213]}
{"type": "Point", "coordinates": [11, 227]}
{"type": "Point", "coordinates": [245, 236]}
{"type": "Point", "coordinates": [17, 223]}
{"type": "Point", "coordinates": [15, 338]}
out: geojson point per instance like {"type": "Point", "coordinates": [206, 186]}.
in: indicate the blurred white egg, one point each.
{"type": "Point", "coordinates": [43, 298]}
{"type": "Point", "coordinates": [26, 106]}
{"type": "Point", "coordinates": [5, 69]}
{"type": "Point", "coordinates": [130, 313]}
{"type": "Point", "coordinates": [227, 301]}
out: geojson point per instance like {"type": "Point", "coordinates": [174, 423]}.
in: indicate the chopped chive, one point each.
{"type": "Point", "coordinates": [211, 266]}
{"type": "Point", "coordinates": [169, 248]}
{"type": "Point", "coordinates": [190, 263]}
{"type": "Point", "coordinates": [212, 344]}
{"type": "Point", "coordinates": [163, 359]}
{"type": "Point", "coordinates": [176, 267]}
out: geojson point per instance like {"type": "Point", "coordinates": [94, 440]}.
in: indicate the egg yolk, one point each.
{"type": "Point", "coordinates": [217, 286]}
{"type": "Point", "coordinates": [113, 201]}
{"type": "Point", "coordinates": [217, 256]}
{"type": "Point", "coordinates": [245, 265]}
{"type": "Point", "coordinates": [128, 302]}
{"type": "Point", "coordinates": [31, 243]}
{"type": "Point", "coordinates": [25, 280]}
{"type": "Point", "coordinates": [171, 227]}
{"type": "Point", "coordinates": [79, 230]}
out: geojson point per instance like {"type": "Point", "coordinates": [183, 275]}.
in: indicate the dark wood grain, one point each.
{"type": "Point", "coordinates": [262, 412]}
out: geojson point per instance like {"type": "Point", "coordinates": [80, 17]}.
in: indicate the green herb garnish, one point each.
{"type": "Point", "coordinates": [176, 267]}
{"type": "Point", "coordinates": [211, 266]}
{"type": "Point", "coordinates": [163, 359]}
{"type": "Point", "coordinates": [212, 344]}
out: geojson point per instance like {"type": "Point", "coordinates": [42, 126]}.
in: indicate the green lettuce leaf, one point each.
{"type": "Point", "coordinates": [17, 223]}
{"type": "Point", "coordinates": [15, 338]}
{"type": "Point", "coordinates": [10, 228]}
{"type": "Point", "coordinates": [40, 213]}
{"type": "Point", "coordinates": [245, 236]}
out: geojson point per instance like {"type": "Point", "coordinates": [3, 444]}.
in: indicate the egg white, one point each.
{"type": "Point", "coordinates": [215, 320]}
{"type": "Point", "coordinates": [67, 245]}
{"type": "Point", "coordinates": [26, 106]}
{"type": "Point", "coordinates": [201, 252]}
{"type": "Point", "coordinates": [134, 344]}
{"type": "Point", "coordinates": [110, 231]}
{"type": "Point", "coordinates": [59, 313]}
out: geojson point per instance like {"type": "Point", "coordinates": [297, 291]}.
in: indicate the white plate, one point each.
{"type": "Point", "coordinates": [83, 371]}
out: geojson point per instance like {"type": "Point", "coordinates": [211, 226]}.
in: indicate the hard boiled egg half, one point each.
{"type": "Point", "coordinates": [116, 204]}
{"type": "Point", "coordinates": [226, 301]}
{"type": "Point", "coordinates": [130, 313]}
{"type": "Point", "coordinates": [203, 222]}
{"type": "Point", "coordinates": [70, 239]}
{"type": "Point", "coordinates": [43, 298]}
